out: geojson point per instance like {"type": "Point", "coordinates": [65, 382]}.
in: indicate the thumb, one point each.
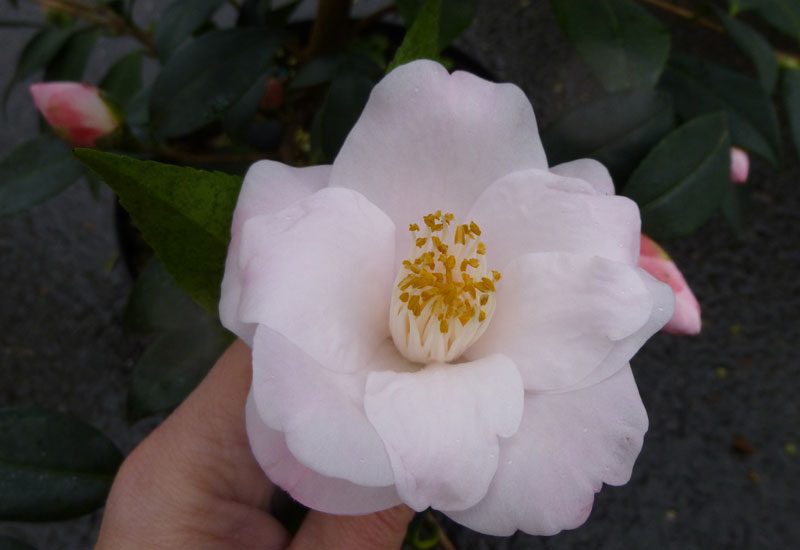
{"type": "Point", "coordinates": [384, 530]}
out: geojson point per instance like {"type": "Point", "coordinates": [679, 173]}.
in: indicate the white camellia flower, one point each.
{"type": "Point", "coordinates": [394, 366]}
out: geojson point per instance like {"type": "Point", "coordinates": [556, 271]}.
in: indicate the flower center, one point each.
{"type": "Point", "coordinates": [443, 296]}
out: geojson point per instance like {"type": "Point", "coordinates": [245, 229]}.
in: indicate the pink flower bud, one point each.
{"type": "Point", "coordinates": [273, 94]}
{"type": "Point", "coordinates": [76, 111]}
{"type": "Point", "coordinates": [740, 165]}
{"type": "Point", "coordinates": [654, 260]}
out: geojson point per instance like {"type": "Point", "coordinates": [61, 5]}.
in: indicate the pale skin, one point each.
{"type": "Point", "coordinates": [193, 483]}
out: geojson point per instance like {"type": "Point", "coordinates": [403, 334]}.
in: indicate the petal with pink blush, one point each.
{"type": "Point", "coordinates": [429, 140]}
{"type": "Point", "coordinates": [441, 425]}
{"type": "Point", "coordinates": [588, 170]}
{"type": "Point", "coordinates": [326, 494]}
{"type": "Point", "coordinates": [320, 412]}
{"type": "Point", "coordinates": [560, 316]}
{"type": "Point", "coordinates": [75, 110]}
{"type": "Point", "coordinates": [320, 273]}
{"type": "Point", "coordinates": [267, 188]}
{"type": "Point", "coordinates": [567, 446]}
{"type": "Point", "coordinates": [536, 211]}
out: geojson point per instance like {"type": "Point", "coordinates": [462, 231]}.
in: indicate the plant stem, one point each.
{"type": "Point", "coordinates": [201, 158]}
{"type": "Point", "coordinates": [103, 16]}
{"type": "Point", "coordinates": [444, 540]}
{"type": "Point", "coordinates": [329, 28]}
{"type": "Point", "coordinates": [783, 56]}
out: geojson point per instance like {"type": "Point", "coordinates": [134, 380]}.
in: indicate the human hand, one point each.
{"type": "Point", "coordinates": [193, 483]}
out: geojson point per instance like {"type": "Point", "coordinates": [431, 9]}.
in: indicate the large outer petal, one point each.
{"type": "Point", "coordinates": [537, 211]}
{"type": "Point", "coordinates": [320, 273]}
{"type": "Point", "coordinates": [267, 188]}
{"type": "Point", "coordinates": [320, 412]}
{"type": "Point", "coordinates": [327, 494]}
{"type": "Point", "coordinates": [561, 317]}
{"type": "Point", "coordinates": [588, 170]}
{"type": "Point", "coordinates": [567, 445]}
{"type": "Point", "coordinates": [428, 140]}
{"type": "Point", "coordinates": [441, 426]}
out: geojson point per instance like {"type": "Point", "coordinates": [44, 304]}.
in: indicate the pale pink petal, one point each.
{"type": "Point", "coordinates": [588, 170]}
{"type": "Point", "coordinates": [428, 140]}
{"type": "Point", "coordinates": [441, 426]}
{"type": "Point", "coordinates": [320, 412]}
{"type": "Point", "coordinates": [326, 494]}
{"type": "Point", "coordinates": [536, 211]}
{"type": "Point", "coordinates": [740, 165]}
{"type": "Point", "coordinates": [559, 317]}
{"type": "Point", "coordinates": [320, 273]}
{"type": "Point", "coordinates": [567, 446]}
{"type": "Point", "coordinates": [267, 188]}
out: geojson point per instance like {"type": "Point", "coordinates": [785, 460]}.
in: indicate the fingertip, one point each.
{"type": "Point", "coordinates": [384, 530]}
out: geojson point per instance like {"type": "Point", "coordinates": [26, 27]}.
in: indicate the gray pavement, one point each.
{"type": "Point", "coordinates": [714, 471]}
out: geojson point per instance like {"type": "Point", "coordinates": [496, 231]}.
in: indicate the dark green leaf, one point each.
{"type": "Point", "coordinates": [456, 16]}
{"type": "Point", "coordinates": [34, 171]}
{"type": "Point", "coordinates": [422, 39]}
{"type": "Point", "coordinates": [70, 62]}
{"type": "Point", "coordinates": [317, 71]}
{"type": "Point", "coordinates": [179, 20]}
{"type": "Point", "coordinates": [734, 208]}
{"type": "Point", "coordinates": [622, 43]}
{"type": "Point", "coordinates": [124, 78]}
{"type": "Point", "coordinates": [158, 303]}
{"type": "Point", "coordinates": [618, 130]}
{"type": "Point", "coordinates": [38, 52]}
{"type": "Point", "coordinates": [20, 23]}
{"type": "Point", "coordinates": [52, 466]}
{"type": "Point", "coordinates": [680, 184]}
{"type": "Point", "coordinates": [755, 47]}
{"type": "Point", "coordinates": [202, 80]}
{"type": "Point", "coordinates": [183, 213]}
{"type": "Point", "coordinates": [259, 13]}
{"type": "Point", "coordinates": [7, 543]}
{"type": "Point", "coordinates": [699, 86]}
{"type": "Point", "coordinates": [239, 118]}
{"type": "Point", "coordinates": [340, 110]}
{"type": "Point", "coordinates": [784, 15]}
{"type": "Point", "coordinates": [173, 366]}
{"type": "Point", "coordinates": [791, 99]}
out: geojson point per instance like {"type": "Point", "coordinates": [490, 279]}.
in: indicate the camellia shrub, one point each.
{"type": "Point", "coordinates": [439, 293]}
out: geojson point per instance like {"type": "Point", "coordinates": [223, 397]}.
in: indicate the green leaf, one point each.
{"type": "Point", "coordinates": [37, 53]}
{"type": "Point", "coordinates": [681, 183]}
{"type": "Point", "coordinates": [340, 110]}
{"type": "Point", "coordinates": [124, 79]}
{"type": "Point", "coordinates": [422, 39]}
{"type": "Point", "coordinates": [20, 23]}
{"type": "Point", "coordinates": [173, 366]}
{"type": "Point", "coordinates": [455, 17]}
{"type": "Point", "coordinates": [239, 118]}
{"type": "Point", "coordinates": [158, 302]}
{"type": "Point", "coordinates": [622, 43]}
{"type": "Point", "coordinates": [317, 71]}
{"type": "Point", "coordinates": [791, 100]}
{"type": "Point", "coordinates": [698, 87]}
{"type": "Point", "coordinates": [259, 13]}
{"type": "Point", "coordinates": [52, 466]}
{"type": "Point", "coordinates": [202, 80]}
{"type": "Point", "coordinates": [179, 20]}
{"type": "Point", "coordinates": [183, 213]}
{"type": "Point", "coordinates": [70, 63]}
{"type": "Point", "coordinates": [7, 543]}
{"type": "Point", "coordinates": [617, 130]}
{"type": "Point", "coordinates": [35, 171]}
{"type": "Point", "coordinates": [756, 47]}
{"type": "Point", "coordinates": [734, 208]}
{"type": "Point", "coordinates": [784, 15]}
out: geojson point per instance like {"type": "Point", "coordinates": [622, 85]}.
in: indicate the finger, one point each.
{"type": "Point", "coordinates": [383, 530]}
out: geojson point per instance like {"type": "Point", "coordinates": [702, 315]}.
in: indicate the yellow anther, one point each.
{"type": "Point", "coordinates": [484, 299]}
{"type": "Point", "coordinates": [450, 262]}
{"type": "Point", "coordinates": [443, 327]}
{"type": "Point", "coordinates": [481, 249]}
{"type": "Point", "coordinates": [413, 227]}
{"type": "Point", "coordinates": [496, 275]}
{"type": "Point", "coordinates": [482, 316]}
{"type": "Point", "coordinates": [421, 242]}
{"type": "Point", "coordinates": [473, 228]}
{"type": "Point", "coordinates": [474, 262]}
{"type": "Point", "coordinates": [448, 217]}
{"type": "Point", "coordinates": [404, 297]}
